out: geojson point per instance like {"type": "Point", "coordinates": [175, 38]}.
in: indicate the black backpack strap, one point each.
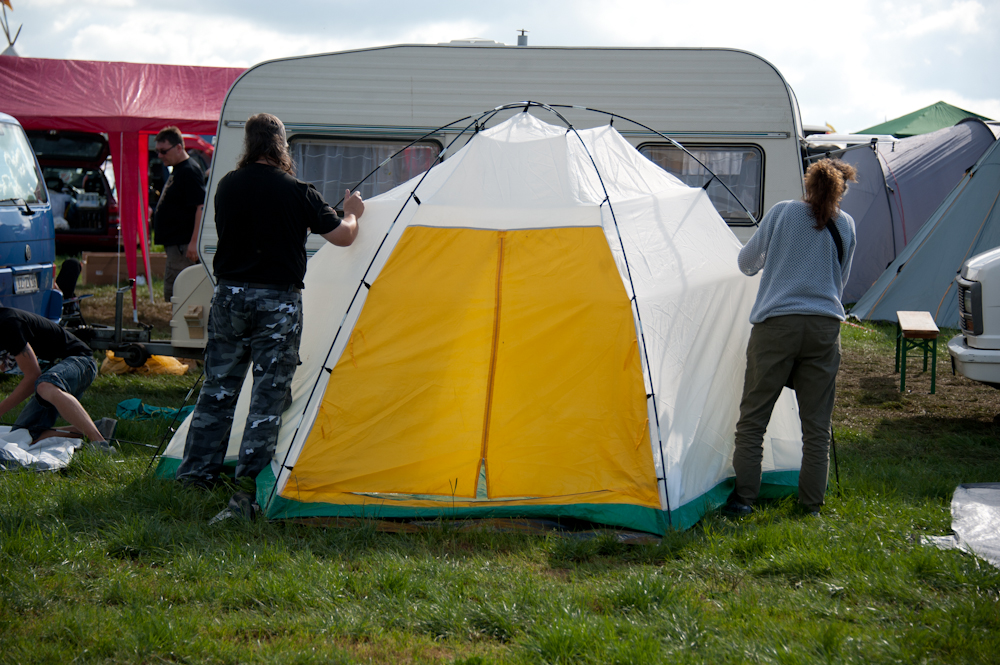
{"type": "Point", "coordinates": [836, 241]}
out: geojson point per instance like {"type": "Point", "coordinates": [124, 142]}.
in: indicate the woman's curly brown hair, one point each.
{"type": "Point", "coordinates": [264, 138]}
{"type": "Point", "coordinates": [826, 184]}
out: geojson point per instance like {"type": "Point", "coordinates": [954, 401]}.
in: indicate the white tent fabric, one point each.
{"type": "Point", "coordinates": [667, 240]}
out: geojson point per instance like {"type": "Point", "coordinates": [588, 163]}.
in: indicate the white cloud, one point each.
{"type": "Point", "coordinates": [960, 17]}
{"type": "Point", "coordinates": [850, 64]}
{"type": "Point", "coordinates": [56, 4]}
{"type": "Point", "coordinates": [433, 32]}
{"type": "Point", "coordinates": [173, 37]}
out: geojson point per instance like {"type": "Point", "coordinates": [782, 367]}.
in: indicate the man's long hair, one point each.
{"type": "Point", "coordinates": [264, 138]}
{"type": "Point", "coordinates": [826, 184]}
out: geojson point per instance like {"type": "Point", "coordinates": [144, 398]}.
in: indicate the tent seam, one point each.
{"type": "Point", "coordinates": [493, 360]}
{"type": "Point", "coordinates": [975, 239]}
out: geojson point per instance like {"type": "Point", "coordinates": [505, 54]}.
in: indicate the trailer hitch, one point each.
{"type": "Point", "coordinates": [134, 346]}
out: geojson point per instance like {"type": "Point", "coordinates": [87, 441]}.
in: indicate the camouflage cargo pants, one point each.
{"type": "Point", "coordinates": [246, 325]}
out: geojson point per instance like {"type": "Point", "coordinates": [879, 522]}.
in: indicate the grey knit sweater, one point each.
{"type": "Point", "coordinates": [801, 272]}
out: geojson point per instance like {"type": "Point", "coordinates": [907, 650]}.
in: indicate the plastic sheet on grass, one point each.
{"type": "Point", "coordinates": [16, 451]}
{"type": "Point", "coordinates": [975, 521]}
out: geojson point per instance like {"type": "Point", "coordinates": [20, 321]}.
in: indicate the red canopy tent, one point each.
{"type": "Point", "coordinates": [128, 102]}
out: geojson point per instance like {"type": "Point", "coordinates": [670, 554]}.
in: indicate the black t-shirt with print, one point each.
{"type": "Point", "coordinates": [48, 340]}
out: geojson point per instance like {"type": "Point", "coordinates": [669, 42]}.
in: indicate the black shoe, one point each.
{"type": "Point", "coordinates": [809, 511]}
{"type": "Point", "coordinates": [106, 426]}
{"type": "Point", "coordinates": [243, 505]}
{"type": "Point", "coordinates": [736, 509]}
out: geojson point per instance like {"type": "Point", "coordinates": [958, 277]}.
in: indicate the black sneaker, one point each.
{"type": "Point", "coordinates": [736, 509]}
{"type": "Point", "coordinates": [243, 505]}
{"type": "Point", "coordinates": [106, 426]}
{"type": "Point", "coordinates": [809, 511]}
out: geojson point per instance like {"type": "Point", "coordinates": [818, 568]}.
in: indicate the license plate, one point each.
{"type": "Point", "coordinates": [26, 283]}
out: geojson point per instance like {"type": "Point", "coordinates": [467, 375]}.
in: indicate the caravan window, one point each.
{"type": "Point", "coordinates": [335, 165]}
{"type": "Point", "coordinates": [740, 167]}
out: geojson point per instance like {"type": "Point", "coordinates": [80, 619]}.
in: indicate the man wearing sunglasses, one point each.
{"type": "Point", "coordinates": [178, 213]}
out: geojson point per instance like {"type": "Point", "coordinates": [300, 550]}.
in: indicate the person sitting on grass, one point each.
{"type": "Point", "coordinates": [24, 339]}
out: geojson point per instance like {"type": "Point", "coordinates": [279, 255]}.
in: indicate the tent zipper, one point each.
{"type": "Point", "coordinates": [493, 358]}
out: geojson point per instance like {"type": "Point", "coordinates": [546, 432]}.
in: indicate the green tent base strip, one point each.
{"type": "Point", "coordinates": [774, 485]}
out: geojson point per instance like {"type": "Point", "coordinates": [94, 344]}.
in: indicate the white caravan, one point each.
{"type": "Point", "coordinates": [348, 112]}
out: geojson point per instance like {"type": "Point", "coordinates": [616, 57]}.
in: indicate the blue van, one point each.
{"type": "Point", "coordinates": [27, 236]}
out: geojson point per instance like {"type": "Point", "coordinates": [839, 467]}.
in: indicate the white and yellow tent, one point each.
{"type": "Point", "coordinates": [548, 325]}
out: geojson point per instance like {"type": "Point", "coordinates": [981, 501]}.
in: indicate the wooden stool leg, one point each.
{"type": "Point", "coordinates": [899, 339]}
{"type": "Point", "coordinates": [933, 364]}
{"type": "Point", "coordinates": [902, 367]}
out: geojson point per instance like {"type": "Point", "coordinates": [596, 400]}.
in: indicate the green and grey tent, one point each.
{"type": "Point", "coordinates": [922, 277]}
{"type": "Point", "coordinates": [923, 121]}
{"type": "Point", "coordinates": [900, 185]}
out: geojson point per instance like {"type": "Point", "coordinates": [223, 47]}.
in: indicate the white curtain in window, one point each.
{"type": "Point", "coordinates": [739, 168]}
{"type": "Point", "coordinates": [335, 166]}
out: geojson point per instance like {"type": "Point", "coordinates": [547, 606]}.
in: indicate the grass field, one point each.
{"type": "Point", "coordinates": [103, 563]}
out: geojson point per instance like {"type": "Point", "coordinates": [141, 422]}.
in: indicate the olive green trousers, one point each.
{"type": "Point", "coordinates": [803, 351]}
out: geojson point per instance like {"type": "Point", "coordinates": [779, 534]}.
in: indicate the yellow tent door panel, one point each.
{"type": "Point", "coordinates": [403, 409]}
{"type": "Point", "coordinates": [569, 406]}
{"type": "Point", "coordinates": [517, 347]}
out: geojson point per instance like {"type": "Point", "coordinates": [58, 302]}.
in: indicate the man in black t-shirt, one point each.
{"type": "Point", "coordinates": [24, 339]}
{"type": "Point", "coordinates": [178, 213]}
{"type": "Point", "coordinates": [263, 216]}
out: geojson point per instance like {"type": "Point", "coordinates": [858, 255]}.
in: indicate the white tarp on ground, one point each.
{"type": "Point", "coordinates": [16, 451]}
{"type": "Point", "coordinates": [975, 519]}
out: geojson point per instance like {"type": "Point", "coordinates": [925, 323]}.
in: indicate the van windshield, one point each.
{"type": "Point", "coordinates": [19, 176]}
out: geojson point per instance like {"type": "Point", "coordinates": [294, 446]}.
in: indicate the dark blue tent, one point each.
{"type": "Point", "coordinates": [922, 277]}
{"type": "Point", "coordinates": [901, 184]}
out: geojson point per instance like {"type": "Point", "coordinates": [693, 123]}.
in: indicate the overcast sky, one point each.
{"type": "Point", "coordinates": [852, 64]}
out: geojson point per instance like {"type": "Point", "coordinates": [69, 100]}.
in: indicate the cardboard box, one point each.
{"type": "Point", "coordinates": [100, 268]}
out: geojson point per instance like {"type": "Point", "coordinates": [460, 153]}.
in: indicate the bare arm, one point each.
{"type": "Point", "coordinates": [192, 250]}
{"type": "Point", "coordinates": [28, 364]}
{"type": "Point", "coordinates": [347, 230]}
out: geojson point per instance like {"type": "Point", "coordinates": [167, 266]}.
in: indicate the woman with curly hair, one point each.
{"type": "Point", "coordinates": [805, 249]}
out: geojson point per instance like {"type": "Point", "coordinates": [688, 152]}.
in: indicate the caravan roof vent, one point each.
{"type": "Point", "coordinates": [475, 41]}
